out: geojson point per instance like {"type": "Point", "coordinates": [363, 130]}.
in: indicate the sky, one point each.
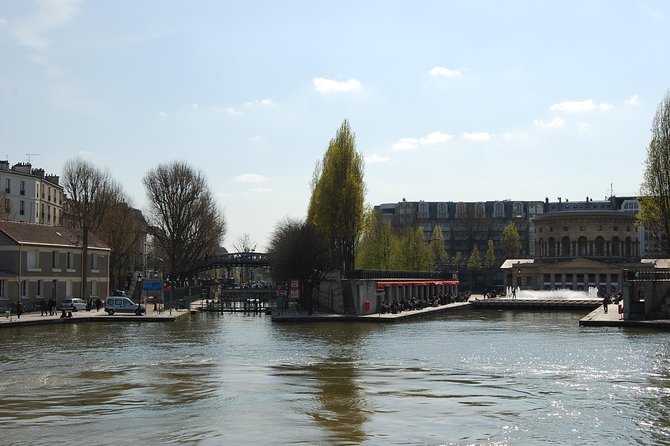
{"type": "Point", "coordinates": [450, 100]}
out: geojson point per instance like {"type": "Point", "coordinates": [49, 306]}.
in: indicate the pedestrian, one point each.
{"type": "Point", "coordinates": [43, 307]}
{"type": "Point", "coordinates": [606, 301]}
{"type": "Point", "coordinates": [19, 310]}
{"type": "Point", "coordinates": [98, 304]}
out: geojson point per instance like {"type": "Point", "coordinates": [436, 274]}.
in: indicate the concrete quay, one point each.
{"type": "Point", "coordinates": [294, 316]}
{"type": "Point", "coordinates": [598, 318]}
{"type": "Point", "coordinates": [536, 304]}
{"type": "Point", "coordinates": [34, 317]}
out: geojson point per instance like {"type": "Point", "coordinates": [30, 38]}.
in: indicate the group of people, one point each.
{"type": "Point", "coordinates": [419, 303]}
{"type": "Point", "coordinates": [612, 299]}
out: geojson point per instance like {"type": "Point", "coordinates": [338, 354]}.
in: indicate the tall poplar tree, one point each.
{"type": "Point", "coordinates": [437, 251]}
{"type": "Point", "coordinates": [414, 250]}
{"type": "Point", "coordinates": [655, 189]}
{"type": "Point", "coordinates": [336, 206]}
{"type": "Point", "coordinates": [511, 242]}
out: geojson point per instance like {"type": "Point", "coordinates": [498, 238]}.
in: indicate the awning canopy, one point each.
{"type": "Point", "coordinates": [384, 283]}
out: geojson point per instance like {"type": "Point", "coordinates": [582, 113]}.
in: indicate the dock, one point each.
{"type": "Point", "coordinates": [294, 316]}
{"type": "Point", "coordinates": [598, 318]}
{"type": "Point", "coordinates": [536, 304]}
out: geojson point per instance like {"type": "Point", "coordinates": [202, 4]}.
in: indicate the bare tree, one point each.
{"type": "Point", "coordinates": [244, 244]}
{"type": "Point", "coordinates": [91, 192]}
{"type": "Point", "coordinates": [183, 216]}
{"type": "Point", "coordinates": [124, 230]}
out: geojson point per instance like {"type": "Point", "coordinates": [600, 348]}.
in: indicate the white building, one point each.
{"type": "Point", "coordinates": [30, 195]}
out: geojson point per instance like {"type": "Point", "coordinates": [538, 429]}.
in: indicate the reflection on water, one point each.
{"type": "Point", "coordinates": [490, 377]}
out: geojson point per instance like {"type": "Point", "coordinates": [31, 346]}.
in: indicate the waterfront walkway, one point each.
{"type": "Point", "coordinates": [598, 318]}
{"type": "Point", "coordinates": [34, 317]}
{"type": "Point", "coordinates": [294, 316]}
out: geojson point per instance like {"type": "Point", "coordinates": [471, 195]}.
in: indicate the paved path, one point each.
{"type": "Point", "coordinates": [34, 317]}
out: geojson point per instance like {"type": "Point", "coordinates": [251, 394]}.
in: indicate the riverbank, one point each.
{"type": "Point", "coordinates": [598, 318]}
{"type": "Point", "coordinates": [35, 318]}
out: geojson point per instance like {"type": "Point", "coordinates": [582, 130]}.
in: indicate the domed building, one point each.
{"type": "Point", "coordinates": [579, 245]}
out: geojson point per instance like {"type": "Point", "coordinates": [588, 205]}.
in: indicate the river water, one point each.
{"type": "Point", "coordinates": [473, 377]}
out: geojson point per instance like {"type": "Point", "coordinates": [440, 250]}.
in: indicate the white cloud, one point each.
{"type": "Point", "coordinates": [580, 106]}
{"type": "Point", "coordinates": [633, 101]}
{"type": "Point", "coordinates": [323, 85]}
{"type": "Point", "coordinates": [435, 138]}
{"type": "Point", "coordinates": [29, 30]}
{"type": "Point", "coordinates": [413, 143]}
{"type": "Point", "coordinates": [553, 124]}
{"type": "Point", "coordinates": [405, 144]}
{"type": "Point", "coordinates": [232, 111]}
{"type": "Point", "coordinates": [477, 136]}
{"type": "Point", "coordinates": [251, 178]}
{"type": "Point", "coordinates": [162, 115]}
{"type": "Point", "coordinates": [267, 101]}
{"type": "Point", "coordinates": [444, 72]}
{"type": "Point", "coordinates": [376, 159]}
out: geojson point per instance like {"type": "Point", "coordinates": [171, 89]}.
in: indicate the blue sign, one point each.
{"type": "Point", "coordinates": [153, 285]}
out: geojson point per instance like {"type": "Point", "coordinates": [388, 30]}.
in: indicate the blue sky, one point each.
{"type": "Point", "coordinates": [449, 100]}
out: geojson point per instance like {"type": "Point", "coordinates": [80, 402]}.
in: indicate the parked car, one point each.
{"type": "Point", "coordinates": [73, 304]}
{"type": "Point", "coordinates": [120, 304]}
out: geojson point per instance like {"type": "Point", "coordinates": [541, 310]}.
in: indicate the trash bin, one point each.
{"type": "Point", "coordinates": [366, 307]}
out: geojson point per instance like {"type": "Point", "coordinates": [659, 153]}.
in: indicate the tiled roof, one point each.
{"type": "Point", "coordinates": [34, 234]}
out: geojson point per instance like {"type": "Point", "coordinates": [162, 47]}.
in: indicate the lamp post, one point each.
{"type": "Point", "coordinates": [139, 298]}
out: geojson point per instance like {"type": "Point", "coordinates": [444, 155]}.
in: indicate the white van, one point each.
{"type": "Point", "coordinates": [121, 304]}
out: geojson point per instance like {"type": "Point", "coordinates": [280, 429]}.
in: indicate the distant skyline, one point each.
{"type": "Point", "coordinates": [450, 100]}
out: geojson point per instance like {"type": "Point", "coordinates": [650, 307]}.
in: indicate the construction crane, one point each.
{"type": "Point", "coordinates": [32, 154]}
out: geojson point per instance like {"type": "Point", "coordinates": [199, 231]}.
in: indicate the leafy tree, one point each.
{"type": "Point", "coordinates": [475, 259]}
{"type": "Point", "coordinates": [474, 265]}
{"type": "Point", "coordinates": [655, 189]}
{"type": "Point", "coordinates": [378, 246]}
{"type": "Point", "coordinates": [336, 206]}
{"type": "Point", "coordinates": [415, 255]}
{"type": "Point", "coordinates": [297, 250]}
{"type": "Point", "coordinates": [183, 216]}
{"type": "Point", "coordinates": [437, 252]}
{"type": "Point", "coordinates": [91, 193]}
{"type": "Point", "coordinates": [490, 261]}
{"type": "Point", "coordinates": [511, 242]}
{"type": "Point", "coordinates": [457, 261]}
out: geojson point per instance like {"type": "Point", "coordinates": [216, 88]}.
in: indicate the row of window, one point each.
{"type": "Point", "coordinates": [480, 210]}
{"type": "Point", "coordinates": [582, 228]}
{"type": "Point", "coordinates": [40, 291]}
{"type": "Point", "coordinates": [51, 192]}
{"type": "Point", "coordinates": [584, 247]}
{"type": "Point", "coordinates": [33, 256]}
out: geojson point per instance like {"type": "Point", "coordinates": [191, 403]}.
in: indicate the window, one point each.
{"type": "Point", "coordinates": [423, 210]}
{"type": "Point", "coordinates": [55, 259]}
{"type": "Point", "coordinates": [37, 190]}
{"type": "Point", "coordinates": [441, 210]}
{"type": "Point", "coordinates": [94, 288]}
{"type": "Point", "coordinates": [22, 187]}
{"type": "Point", "coordinates": [32, 259]}
{"type": "Point", "coordinates": [24, 288]}
{"type": "Point", "coordinates": [22, 207]}
{"type": "Point", "coordinates": [94, 262]}
{"type": "Point", "coordinates": [39, 288]}
{"type": "Point", "coordinates": [68, 260]}
{"type": "Point", "coordinates": [479, 210]}
{"type": "Point", "coordinates": [8, 185]}
{"type": "Point", "coordinates": [498, 210]}
{"type": "Point", "coordinates": [8, 205]}
{"type": "Point", "coordinates": [2, 288]}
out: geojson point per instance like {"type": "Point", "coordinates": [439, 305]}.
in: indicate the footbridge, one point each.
{"type": "Point", "coordinates": [244, 259]}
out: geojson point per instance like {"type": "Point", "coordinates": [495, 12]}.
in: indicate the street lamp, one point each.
{"type": "Point", "coordinates": [139, 298]}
